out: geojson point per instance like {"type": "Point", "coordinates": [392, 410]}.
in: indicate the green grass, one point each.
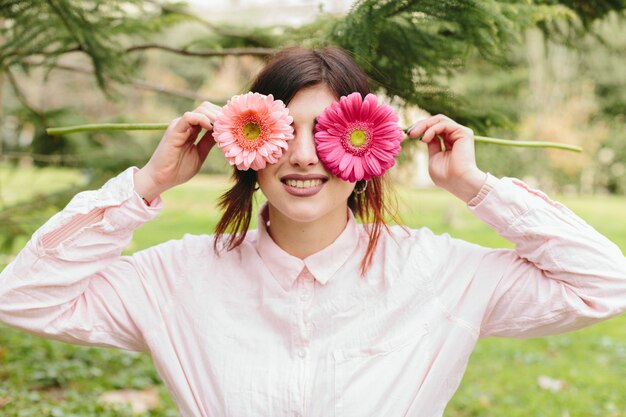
{"type": "Point", "coordinates": [18, 184]}
{"type": "Point", "coordinates": [44, 378]}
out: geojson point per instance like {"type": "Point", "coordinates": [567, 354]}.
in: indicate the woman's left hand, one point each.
{"type": "Point", "coordinates": [454, 168]}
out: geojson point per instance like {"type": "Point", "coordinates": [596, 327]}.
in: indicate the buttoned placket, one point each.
{"type": "Point", "coordinates": [301, 339]}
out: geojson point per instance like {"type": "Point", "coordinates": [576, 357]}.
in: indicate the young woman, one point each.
{"type": "Point", "coordinates": [312, 314]}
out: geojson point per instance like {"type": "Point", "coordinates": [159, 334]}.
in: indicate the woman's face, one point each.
{"type": "Point", "coordinates": [298, 186]}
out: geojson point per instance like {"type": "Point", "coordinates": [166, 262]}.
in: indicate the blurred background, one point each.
{"type": "Point", "coordinates": [515, 69]}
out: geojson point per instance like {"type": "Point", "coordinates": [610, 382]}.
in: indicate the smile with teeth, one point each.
{"type": "Point", "coordinates": [303, 184]}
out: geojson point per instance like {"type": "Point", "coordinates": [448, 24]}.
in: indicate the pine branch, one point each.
{"type": "Point", "coordinates": [410, 48]}
{"type": "Point", "coordinates": [53, 28]}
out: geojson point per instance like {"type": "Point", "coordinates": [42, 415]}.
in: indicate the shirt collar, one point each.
{"type": "Point", "coordinates": [322, 265]}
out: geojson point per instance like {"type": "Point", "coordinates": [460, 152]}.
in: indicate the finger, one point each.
{"type": "Point", "coordinates": [210, 112]}
{"type": "Point", "coordinates": [212, 115]}
{"type": "Point", "coordinates": [209, 109]}
{"type": "Point", "coordinates": [211, 106]}
{"type": "Point", "coordinates": [205, 145]}
{"type": "Point", "coordinates": [418, 128]}
{"type": "Point", "coordinates": [190, 119]}
{"type": "Point", "coordinates": [449, 130]}
{"type": "Point", "coordinates": [434, 130]}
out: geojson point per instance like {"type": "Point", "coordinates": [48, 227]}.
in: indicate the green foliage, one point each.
{"type": "Point", "coordinates": [38, 34]}
{"type": "Point", "coordinates": [603, 64]}
{"type": "Point", "coordinates": [587, 11]}
{"type": "Point", "coordinates": [45, 378]}
{"type": "Point", "coordinates": [411, 47]}
{"type": "Point", "coordinates": [221, 37]}
{"type": "Point", "coordinates": [593, 74]}
{"type": "Point", "coordinates": [49, 29]}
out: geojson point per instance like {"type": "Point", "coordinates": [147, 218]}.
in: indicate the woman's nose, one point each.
{"type": "Point", "coordinates": [302, 150]}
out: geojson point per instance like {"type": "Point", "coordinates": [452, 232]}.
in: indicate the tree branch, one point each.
{"type": "Point", "coordinates": [223, 52]}
{"type": "Point", "coordinates": [140, 84]}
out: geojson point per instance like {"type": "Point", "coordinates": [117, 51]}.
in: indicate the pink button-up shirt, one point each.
{"type": "Point", "coordinates": [257, 332]}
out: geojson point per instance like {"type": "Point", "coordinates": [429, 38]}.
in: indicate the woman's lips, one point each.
{"type": "Point", "coordinates": [303, 185]}
{"type": "Point", "coordinates": [303, 192]}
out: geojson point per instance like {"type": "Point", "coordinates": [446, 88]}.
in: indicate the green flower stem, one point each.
{"type": "Point", "coordinates": [528, 144]}
{"type": "Point", "coordinates": [163, 126]}
{"type": "Point", "coordinates": [106, 126]}
{"type": "Point", "coordinates": [522, 143]}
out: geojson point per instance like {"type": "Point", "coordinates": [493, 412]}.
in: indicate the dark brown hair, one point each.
{"type": "Point", "coordinates": [288, 72]}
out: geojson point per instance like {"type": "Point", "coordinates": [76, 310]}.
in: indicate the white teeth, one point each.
{"type": "Point", "coordinates": [303, 184]}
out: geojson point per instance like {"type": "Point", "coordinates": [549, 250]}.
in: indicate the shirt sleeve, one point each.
{"type": "Point", "coordinates": [561, 276]}
{"type": "Point", "coordinates": [70, 281]}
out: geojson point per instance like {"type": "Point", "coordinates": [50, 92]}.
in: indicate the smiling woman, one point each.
{"type": "Point", "coordinates": [312, 313]}
{"type": "Point", "coordinates": [322, 76]}
{"type": "Point", "coordinates": [301, 194]}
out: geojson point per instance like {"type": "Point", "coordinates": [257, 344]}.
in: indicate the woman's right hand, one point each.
{"type": "Point", "coordinates": [177, 158]}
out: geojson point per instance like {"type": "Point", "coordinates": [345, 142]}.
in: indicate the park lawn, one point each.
{"type": "Point", "coordinates": [19, 184]}
{"type": "Point", "coordinates": [586, 369]}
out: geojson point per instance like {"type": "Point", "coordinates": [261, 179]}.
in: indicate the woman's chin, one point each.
{"type": "Point", "coordinates": [306, 214]}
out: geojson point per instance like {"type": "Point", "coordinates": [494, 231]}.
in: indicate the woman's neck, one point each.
{"type": "Point", "coordinates": [304, 239]}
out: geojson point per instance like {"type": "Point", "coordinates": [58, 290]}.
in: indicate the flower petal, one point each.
{"type": "Point", "coordinates": [351, 159]}
{"type": "Point", "coordinates": [345, 161]}
{"type": "Point", "coordinates": [272, 116]}
{"type": "Point", "coordinates": [359, 172]}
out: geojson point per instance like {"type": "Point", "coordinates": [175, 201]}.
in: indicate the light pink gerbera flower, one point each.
{"type": "Point", "coordinates": [252, 130]}
{"type": "Point", "coordinates": [358, 138]}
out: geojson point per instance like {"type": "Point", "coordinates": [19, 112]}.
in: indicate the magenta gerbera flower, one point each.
{"type": "Point", "coordinates": [252, 130]}
{"type": "Point", "coordinates": [358, 138]}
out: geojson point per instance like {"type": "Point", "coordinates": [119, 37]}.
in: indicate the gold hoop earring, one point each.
{"type": "Point", "coordinates": [360, 190]}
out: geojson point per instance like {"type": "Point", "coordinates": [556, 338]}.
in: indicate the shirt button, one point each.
{"type": "Point", "coordinates": [302, 353]}
{"type": "Point", "coordinates": [304, 296]}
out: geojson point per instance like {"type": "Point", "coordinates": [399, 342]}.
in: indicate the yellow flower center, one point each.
{"type": "Point", "coordinates": [358, 137]}
{"type": "Point", "coordinates": [251, 131]}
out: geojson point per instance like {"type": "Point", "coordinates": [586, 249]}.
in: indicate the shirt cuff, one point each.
{"type": "Point", "coordinates": [511, 199]}
{"type": "Point", "coordinates": [490, 182]}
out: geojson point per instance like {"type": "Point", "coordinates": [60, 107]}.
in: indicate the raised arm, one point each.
{"type": "Point", "coordinates": [71, 283]}
{"type": "Point", "coordinates": [562, 274]}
